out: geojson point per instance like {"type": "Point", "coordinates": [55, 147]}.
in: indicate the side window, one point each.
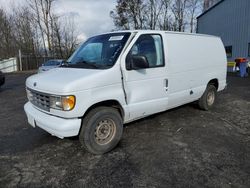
{"type": "Point", "coordinates": [149, 46]}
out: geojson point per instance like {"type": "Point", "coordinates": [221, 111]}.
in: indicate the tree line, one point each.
{"type": "Point", "coordinates": [37, 30]}
{"type": "Point", "coordinates": [172, 15]}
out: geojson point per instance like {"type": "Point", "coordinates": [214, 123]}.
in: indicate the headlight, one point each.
{"type": "Point", "coordinates": [65, 103]}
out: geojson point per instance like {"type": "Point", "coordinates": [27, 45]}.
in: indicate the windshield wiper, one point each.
{"type": "Point", "coordinates": [80, 64]}
{"type": "Point", "coordinates": [88, 64]}
{"type": "Point", "coordinates": [65, 64]}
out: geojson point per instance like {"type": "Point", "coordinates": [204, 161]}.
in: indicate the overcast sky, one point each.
{"type": "Point", "coordinates": [91, 16]}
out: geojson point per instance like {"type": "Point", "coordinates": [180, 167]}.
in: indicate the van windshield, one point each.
{"type": "Point", "coordinates": [99, 52]}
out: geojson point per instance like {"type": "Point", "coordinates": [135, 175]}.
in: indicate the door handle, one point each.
{"type": "Point", "coordinates": [166, 84]}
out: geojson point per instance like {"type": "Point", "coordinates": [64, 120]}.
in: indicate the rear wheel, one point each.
{"type": "Point", "coordinates": [101, 130]}
{"type": "Point", "coordinates": [208, 99]}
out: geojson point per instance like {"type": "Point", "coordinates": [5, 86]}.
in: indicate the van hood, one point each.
{"type": "Point", "coordinates": [68, 80]}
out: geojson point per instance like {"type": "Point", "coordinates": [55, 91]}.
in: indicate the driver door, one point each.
{"type": "Point", "coordinates": [146, 88]}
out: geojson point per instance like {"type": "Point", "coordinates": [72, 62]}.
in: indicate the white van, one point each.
{"type": "Point", "coordinates": [119, 77]}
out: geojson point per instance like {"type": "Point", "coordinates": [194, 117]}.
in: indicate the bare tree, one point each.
{"type": "Point", "coordinates": [156, 14]}
{"type": "Point", "coordinates": [129, 14]}
{"type": "Point", "coordinates": [165, 20]}
{"type": "Point", "coordinates": [64, 36]}
{"type": "Point", "coordinates": [23, 33]}
{"type": "Point", "coordinates": [36, 30]}
{"type": "Point", "coordinates": [179, 11]}
{"type": "Point", "coordinates": [193, 10]}
{"type": "Point", "coordinates": [6, 35]}
{"type": "Point", "coordinates": [208, 3]}
{"type": "Point", "coordinates": [153, 10]}
{"type": "Point", "coordinates": [59, 39]}
{"type": "Point", "coordinates": [42, 14]}
{"type": "Point", "coordinates": [121, 15]}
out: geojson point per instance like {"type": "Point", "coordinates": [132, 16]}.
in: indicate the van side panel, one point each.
{"type": "Point", "coordinates": [193, 61]}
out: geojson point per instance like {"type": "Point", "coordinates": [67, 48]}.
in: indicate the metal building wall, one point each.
{"type": "Point", "coordinates": [229, 20]}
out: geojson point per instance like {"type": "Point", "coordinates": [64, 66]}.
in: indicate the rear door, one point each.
{"type": "Point", "coordinates": [146, 89]}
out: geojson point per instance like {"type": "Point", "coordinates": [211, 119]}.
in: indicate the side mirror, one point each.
{"type": "Point", "coordinates": [138, 62]}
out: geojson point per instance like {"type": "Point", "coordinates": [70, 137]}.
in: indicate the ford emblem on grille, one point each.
{"type": "Point", "coordinates": [34, 84]}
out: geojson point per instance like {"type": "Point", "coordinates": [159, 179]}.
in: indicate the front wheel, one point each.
{"type": "Point", "coordinates": [207, 100]}
{"type": "Point", "coordinates": [101, 130]}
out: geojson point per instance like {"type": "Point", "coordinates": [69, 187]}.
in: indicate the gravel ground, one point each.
{"type": "Point", "coordinates": [183, 147]}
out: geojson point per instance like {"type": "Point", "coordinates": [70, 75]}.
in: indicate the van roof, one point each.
{"type": "Point", "coordinates": [162, 31]}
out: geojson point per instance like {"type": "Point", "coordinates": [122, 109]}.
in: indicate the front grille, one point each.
{"type": "Point", "coordinates": [40, 100]}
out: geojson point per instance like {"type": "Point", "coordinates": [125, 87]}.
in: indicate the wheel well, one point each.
{"type": "Point", "coordinates": [109, 103]}
{"type": "Point", "coordinates": [214, 82]}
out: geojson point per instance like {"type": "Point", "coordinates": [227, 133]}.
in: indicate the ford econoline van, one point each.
{"type": "Point", "coordinates": [119, 77]}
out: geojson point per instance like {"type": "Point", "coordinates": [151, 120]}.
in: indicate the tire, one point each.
{"type": "Point", "coordinates": [101, 130]}
{"type": "Point", "coordinates": [207, 100]}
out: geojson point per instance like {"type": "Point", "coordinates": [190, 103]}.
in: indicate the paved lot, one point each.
{"type": "Point", "coordinates": [184, 147]}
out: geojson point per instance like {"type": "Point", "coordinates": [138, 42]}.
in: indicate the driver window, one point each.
{"type": "Point", "coordinates": [149, 46]}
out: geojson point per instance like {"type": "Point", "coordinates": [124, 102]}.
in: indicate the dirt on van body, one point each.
{"type": "Point", "coordinates": [183, 147]}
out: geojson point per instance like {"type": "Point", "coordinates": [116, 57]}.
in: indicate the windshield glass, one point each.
{"type": "Point", "coordinates": [99, 52]}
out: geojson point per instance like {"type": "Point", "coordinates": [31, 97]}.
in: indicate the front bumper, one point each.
{"type": "Point", "coordinates": [56, 126]}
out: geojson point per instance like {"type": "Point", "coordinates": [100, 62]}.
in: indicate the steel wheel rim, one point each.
{"type": "Point", "coordinates": [105, 131]}
{"type": "Point", "coordinates": [210, 98]}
